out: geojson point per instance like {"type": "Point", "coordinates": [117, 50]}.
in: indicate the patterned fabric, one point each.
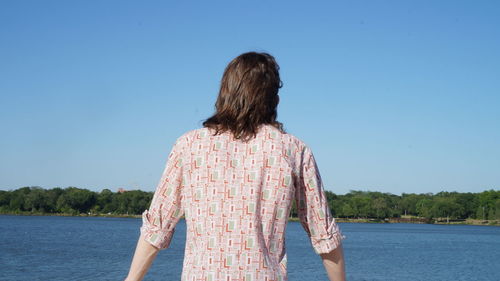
{"type": "Point", "coordinates": [236, 198]}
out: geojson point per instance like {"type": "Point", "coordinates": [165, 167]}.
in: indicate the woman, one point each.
{"type": "Point", "coordinates": [234, 181]}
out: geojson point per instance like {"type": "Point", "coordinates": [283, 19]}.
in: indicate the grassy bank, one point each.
{"type": "Point", "coordinates": [422, 221]}
{"type": "Point", "coordinates": [404, 219]}
{"type": "Point", "coordinates": [69, 215]}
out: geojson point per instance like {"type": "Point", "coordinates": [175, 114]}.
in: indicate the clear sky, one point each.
{"type": "Point", "coordinates": [391, 96]}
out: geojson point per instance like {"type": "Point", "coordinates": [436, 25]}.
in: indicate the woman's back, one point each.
{"type": "Point", "coordinates": [236, 197]}
{"type": "Point", "coordinates": [234, 180]}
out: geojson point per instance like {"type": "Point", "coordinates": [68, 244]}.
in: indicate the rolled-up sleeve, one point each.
{"type": "Point", "coordinates": [312, 207]}
{"type": "Point", "coordinates": [159, 221]}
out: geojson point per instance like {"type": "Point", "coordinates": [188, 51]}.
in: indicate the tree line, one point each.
{"type": "Point", "coordinates": [355, 204]}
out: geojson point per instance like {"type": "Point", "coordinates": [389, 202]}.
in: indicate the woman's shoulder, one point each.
{"type": "Point", "coordinates": [203, 131]}
{"type": "Point", "coordinates": [188, 136]}
{"type": "Point", "coordinates": [288, 138]}
{"type": "Point", "coordinates": [291, 140]}
{"type": "Point", "coordinates": [293, 146]}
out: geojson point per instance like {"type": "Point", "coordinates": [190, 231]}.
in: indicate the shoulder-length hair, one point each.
{"type": "Point", "coordinates": [248, 96]}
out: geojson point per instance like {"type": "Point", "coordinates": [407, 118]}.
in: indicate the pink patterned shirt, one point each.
{"type": "Point", "coordinates": [236, 198]}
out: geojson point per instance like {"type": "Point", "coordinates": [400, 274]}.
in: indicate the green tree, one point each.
{"type": "Point", "coordinates": [293, 210]}
{"type": "Point", "coordinates": [409, 203]}
{"type": "Point", "coordinates": [52, 195]}
{"type": "Point", "coordinates": [4, 200]}
{"type": "Point", "coordinates": [469, 203]}
{"type": "Point", "coordinates": [424, 206]}
{"type": "Point", "coordinates": [445, 207]}
{"type": "Point", "coordinates": [486, 202]}
{"type": "Point", "coordinates": [76, 200]}
{"type": "Point", "coordinates": [497, 210]}
{"type": "Point", "coordinates": [104, 199]}
{"type": "Point", "coordinates": [17, 199]}
{"type": "Point", "coordinates": [35, 200]}
{"type": "Point", "coordinates": [380, 206]}
{"type": "Point", "coordinates": [360, 202]}
{"type": "Point", "coordinates": [348, 210]}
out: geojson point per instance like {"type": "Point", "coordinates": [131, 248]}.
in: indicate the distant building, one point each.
{"type": "Point", "coordinates": [121, 190]}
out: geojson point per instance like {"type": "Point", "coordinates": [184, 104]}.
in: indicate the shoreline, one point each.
{"type": "Point", "coordinates": [295, 219]}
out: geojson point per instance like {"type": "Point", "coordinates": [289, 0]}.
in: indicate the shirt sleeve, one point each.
{"type": "Point", "coordinates": [159, 221]}
{"type": "Point", "coordinates": [312, 207]}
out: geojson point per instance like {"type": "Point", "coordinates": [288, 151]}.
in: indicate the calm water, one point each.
{"type": "Point", "coordinates": [78, 248]}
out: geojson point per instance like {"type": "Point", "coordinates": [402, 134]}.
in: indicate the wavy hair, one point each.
{"type": "Point", "coordinates": [248, 96]}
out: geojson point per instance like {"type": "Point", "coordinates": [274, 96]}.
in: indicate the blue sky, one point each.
{"type": "Point", "coordinates": [391, 96]}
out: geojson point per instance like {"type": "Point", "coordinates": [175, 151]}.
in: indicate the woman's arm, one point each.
{"type": "Point", "coordinates": [334, 264]}
{"type": "Point", "coordinates": [160, 219]}
{"type": "Point", "coordinates": [145, 254]}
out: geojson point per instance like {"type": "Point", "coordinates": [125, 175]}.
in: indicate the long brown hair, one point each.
{"type": "Point", "coordinates": [248, 96]}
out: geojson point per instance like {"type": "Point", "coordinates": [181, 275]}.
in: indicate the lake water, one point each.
{"type": "Point", "coordinates": [86, 248]}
